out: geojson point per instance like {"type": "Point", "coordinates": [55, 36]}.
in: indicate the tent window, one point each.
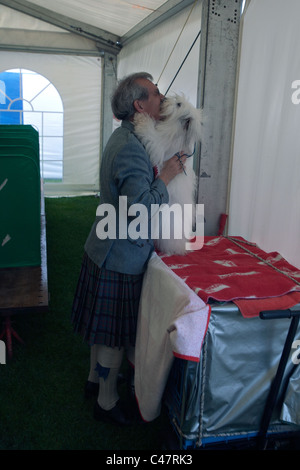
{"type": "Point", "coordinates": [29, 98]}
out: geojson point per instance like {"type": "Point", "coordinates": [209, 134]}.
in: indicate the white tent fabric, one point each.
{"type": "Point", "coordinates": [152, 51]}
{"type": "Point", "coordinates": [23, 31]}
{"type": "Point", "coordinates": [116, 16]}
{"type": "Point", "coordinates": [265, 184]}
{"type": "Point", "coordinates": [11, 19]}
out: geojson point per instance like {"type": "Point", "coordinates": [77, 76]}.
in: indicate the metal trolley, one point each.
{"type": "Point", "coordinates": [242, 392]}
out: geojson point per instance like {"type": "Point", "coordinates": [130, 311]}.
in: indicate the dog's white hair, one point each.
{"type": "Point", "coordinates": [178, 130]}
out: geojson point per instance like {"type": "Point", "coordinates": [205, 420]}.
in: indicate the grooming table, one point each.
{"type": "Point", "coordinates": [221, 401]}
{"type": "Point", "coordinates": [225, 395]}
{"type": "Point", "coordinates": [23, 290]}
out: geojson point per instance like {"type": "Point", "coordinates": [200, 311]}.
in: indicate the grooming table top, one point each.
{"type": "Point", "coordinates": [230, 269]}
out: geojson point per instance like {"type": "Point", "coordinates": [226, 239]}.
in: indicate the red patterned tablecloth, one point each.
{"type": "Point", "coordinates": [232, 269]}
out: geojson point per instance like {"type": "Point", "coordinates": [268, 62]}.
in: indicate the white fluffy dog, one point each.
{"type": "Point", "coordinates": [178, 130]}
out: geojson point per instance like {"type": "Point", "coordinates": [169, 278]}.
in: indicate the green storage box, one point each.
{"type": "Point", "coordinates": [20, 197]}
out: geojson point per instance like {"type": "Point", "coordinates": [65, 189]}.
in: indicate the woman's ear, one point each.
{"type": "Point", "coordinates": [138, 106]}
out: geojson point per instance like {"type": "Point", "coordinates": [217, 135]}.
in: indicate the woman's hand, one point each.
{"type": "Point", "coordinates": [172, 167]}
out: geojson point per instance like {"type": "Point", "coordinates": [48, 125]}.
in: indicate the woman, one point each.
{"type": "Point", "coordinates": [107, 298]}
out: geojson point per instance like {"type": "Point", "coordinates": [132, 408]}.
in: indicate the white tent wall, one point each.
{"type": "Point", "coordinates": [23, 32]}
{"type": "Point", "coordinates": [151, 52]}
{"type": "Point", "coordinates": [265, 184]}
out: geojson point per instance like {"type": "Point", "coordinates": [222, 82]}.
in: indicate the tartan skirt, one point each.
{"type": "Point", "coordinates": [105, 306]}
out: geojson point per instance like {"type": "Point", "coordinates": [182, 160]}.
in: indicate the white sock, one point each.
{"type": "Point", "coordinates": [108, 393]}
{"type": "Point", "coordinates": [110, 359]}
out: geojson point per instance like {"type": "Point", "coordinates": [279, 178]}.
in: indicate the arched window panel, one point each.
{"type": "Point", "coordinates": [2, 92]}
{"type": "Point", "coordinates": [53, 169]}
{"type": "Point", "coordinates": [53, 124]}
{"type": "Point", "coordinates": [27, 97]}
{"type": "Point", "coordinates": [35, 118]}
{"type": "Point", "coordinates": [33, 84]}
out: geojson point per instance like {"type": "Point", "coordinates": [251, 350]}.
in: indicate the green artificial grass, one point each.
{"type": "Point", "coordinates": [41, 387]}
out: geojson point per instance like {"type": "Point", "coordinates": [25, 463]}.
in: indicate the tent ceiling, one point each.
{"type": "Point", "coordinates": [110, 23]}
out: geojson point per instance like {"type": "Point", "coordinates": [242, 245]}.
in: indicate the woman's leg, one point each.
{"type": "Point", "coordinates": [109, 361]}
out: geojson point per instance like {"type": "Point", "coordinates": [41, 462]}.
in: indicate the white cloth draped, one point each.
{"type": "Point", "coordinates": [172, 322]}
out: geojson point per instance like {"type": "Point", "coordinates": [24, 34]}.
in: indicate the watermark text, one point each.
{"type": "Point", "coordinates": [296, 94]}
{"type": "Point", "coordinates": [296, 354]}
{"type": "Point", "coordinates": [166, 222]}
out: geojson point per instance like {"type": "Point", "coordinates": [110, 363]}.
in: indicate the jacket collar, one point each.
{"type": "Point", "coordinates": [128, 125]}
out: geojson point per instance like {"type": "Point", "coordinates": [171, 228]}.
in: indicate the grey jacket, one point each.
{"type": "Point", "coordinates": [126, 170]}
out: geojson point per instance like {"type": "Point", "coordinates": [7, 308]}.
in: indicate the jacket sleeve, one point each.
{"type": "Point", "coordinates": [133, 175]}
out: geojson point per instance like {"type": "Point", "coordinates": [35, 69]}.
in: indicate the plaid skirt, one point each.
{"type": "Point", "coordinates": [105, 306]}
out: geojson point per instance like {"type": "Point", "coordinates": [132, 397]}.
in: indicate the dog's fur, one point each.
{"type": "Point", "coordinates": [178, 130]}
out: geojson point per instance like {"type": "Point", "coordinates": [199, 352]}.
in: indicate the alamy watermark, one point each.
{"type": "Point", "coordinates": [2, 352]}
{"type": "Point", "coordinates": [296, 94]}
{"type": "Point", "coordinates": [296, 354]}
{"type": "Point", "coordinates": [166, 222]}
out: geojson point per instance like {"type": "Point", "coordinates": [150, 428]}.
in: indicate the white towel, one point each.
{"type": "Point", "coordinates": [172, 322]}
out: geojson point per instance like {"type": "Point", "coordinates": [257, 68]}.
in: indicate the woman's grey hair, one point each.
{"type": "Point", "coordinates": [127, 91]}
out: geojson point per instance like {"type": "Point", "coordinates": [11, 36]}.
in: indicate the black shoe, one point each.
{"type": "Point", "coordinates": [91, 389]}
{"type": "Point", "coordinates": [116, 415]}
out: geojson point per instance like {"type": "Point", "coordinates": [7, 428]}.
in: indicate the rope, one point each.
{"type": "Point", "coordinates": [177, 40]}
{"type": "Point", "coordinates": [261, 259]}
{"type": "Point", "coordinates": [183, 62]}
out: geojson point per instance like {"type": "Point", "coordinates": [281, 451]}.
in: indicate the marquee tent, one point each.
{"type": "Point", "coordinates": [236, 59]}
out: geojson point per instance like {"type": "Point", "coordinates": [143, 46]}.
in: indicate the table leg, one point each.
{"type": "Point", "coordinates": [7, 334]}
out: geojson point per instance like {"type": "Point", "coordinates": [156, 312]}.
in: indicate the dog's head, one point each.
{"type": "Point", "coordinates": [183, 118]}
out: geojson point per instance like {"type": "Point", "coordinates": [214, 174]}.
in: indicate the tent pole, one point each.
{"type": "Point", "coordinates": [216, 95]}
{"type": "Point", "coordinates": [108, 83]}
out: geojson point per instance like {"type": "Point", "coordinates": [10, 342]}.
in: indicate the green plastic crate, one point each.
{"type": "Point", "coordinates": [20, 200]}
